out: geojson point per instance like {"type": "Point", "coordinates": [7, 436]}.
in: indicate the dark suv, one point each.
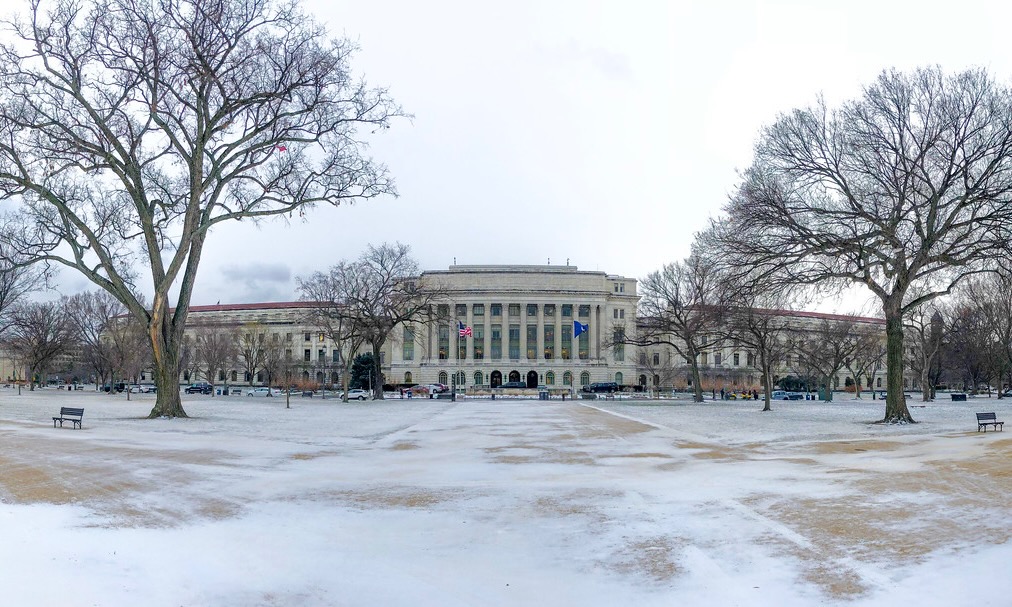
{"type": "Point", "coordinates": [514, 384]}
{"type": "Point", "coordinates": [604, 386]}
{"type": "Point", "coordinates": [199, 388]}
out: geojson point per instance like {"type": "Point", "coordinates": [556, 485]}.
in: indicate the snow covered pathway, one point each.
{"type": "Point", "coordinates": [500, 503]}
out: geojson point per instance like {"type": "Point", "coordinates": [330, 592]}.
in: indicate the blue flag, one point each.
{"type": "Point", "coordinates": [579, 327]}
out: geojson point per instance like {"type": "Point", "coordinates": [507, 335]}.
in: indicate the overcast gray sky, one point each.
{"type": "Point", "coordinates": [605, 133]}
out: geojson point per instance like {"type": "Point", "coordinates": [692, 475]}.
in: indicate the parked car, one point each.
{"type": "Point", "coordinates": [262, 391]}
{"type": "Point", "coordinates": [780, 395]}
{"type": "Point", "coordinates": [796, 396]}
{"type": "Point", "coordinates": [201, 387]}
{"type": "Point", "coordinates": [357, 394]}
{"type": "Point", "coordinates": [603, 386]}
{"type": "Point", "coordinates": [136, 389]}
{"type": "Point", "coordinates": [438, 388]}
{"type": "Point", "coordinates": [514, 384]}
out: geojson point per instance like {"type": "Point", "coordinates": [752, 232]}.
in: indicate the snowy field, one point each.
{"type": "Point", "coordinates": [501, 503]}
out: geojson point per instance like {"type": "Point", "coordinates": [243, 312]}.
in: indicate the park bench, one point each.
{"type": "Point", "coordinates": [988, 419]}
{"type": "Point", "coordinates": [69, 414]}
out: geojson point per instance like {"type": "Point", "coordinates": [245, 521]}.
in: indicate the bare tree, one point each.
{"type": "Point", "coordinates": [970, 351]}
{"type": "Point", "coordinates": [39, 333]}
{"type": "Point", "coordinates": [252, 349]}
{"type": "Point", "coordinates": [867, 358]}
{"type": "Point", "coordinates": [130, 129]}
{"type": "Point", "coordinates": [905, 190]}
{"type": "Point", "coordinates": [214, 350]}
{"type": "Point", "coordinates": [92, 313]}
{"type": "Point", "coordinates": [129, 349]}
{"type": "Point", "coordinates": [827, 346]}
{"type": "Point", "coordinates": [335, 311]}
{"type": "Point", "coordinates": [386, 294]}
{"type": "Point", "coordinates": [925, 328]}
{"type": "Point", "coordinates": [16, 282]}
{"type": "Point", "coordinates": [756, 317]}
{"type": "Point", "coordinates": [678, 308]}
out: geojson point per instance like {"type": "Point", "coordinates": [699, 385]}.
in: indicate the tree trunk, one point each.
{"type": "Point", "coordinates": [697, 387]}
{"type": "Point", "coordinates": [377, 367]}
{"type": "Point", "coordinates": [165, 355]}
{"type": "Point", "coordinates": [896, 405]}
{"type": "Point", "coordinates": [768, 387]}
{"type": "Point", "coordinates": [925, 385]}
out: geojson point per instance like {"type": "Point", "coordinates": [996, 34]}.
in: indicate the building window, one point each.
{"type": "Point", "coordinates": [461, 347]}
{"type": "Point", "coordinates": [235, 376]}
{"type": "Point", "coordinates": [567, 379]}
{"type": "Point", "coordinates": [716, 358]}
{"type": "Point", "coordinates": [567, 310]}
{"type": "Point", "coordinates": [496, 342]}
{"type": "Point", "coordinates": [307, 355]}
{"type": "Point", "coordinates": [550, 378]}
{"type": "Point", "coordinates": [496, 309]}
{"type": "Point", "coordinates": [532, 342]}
{"type": "Point", "coordinates": [532, 309]}
{"type": "Point", "coordinates": [407, 377]}
{"type": "Point", "coordinates": [750, 359]}
{"type": "Point", "coordinates": [444, 343]}
{"type": "Point", "coordinates": [567, 342]}
{"type": "Point", "coordinates": [549, 310]}
{"type": "Point", "coordinates": [288, 337]}
{"type": "Point", "coordinates": [618, 347]}
{"type": "Point", "coordinates": [443, 378]}
{"type": "Point", "coordinates": [288, 354]}
{"type": "Point", "coordinates": [443, 310]}
{"type": "Point", "coordinates": [616, 287]}
{"type": "Point", "coordinates": [737, 359]}
{"type": "Point", "coordinates": [307, 337]}
{"type": "Point", "coordinates": [478, 310]}
{"type": "Point", "coordinates": [514, 343]}
{"type": "Point", "coordinates": [584, 310]}
{"type": "Point", "coordinates": [657, 358]}
{"type": "Point", "coordinates": [515, 309]}
{"type": "Point", "coordinates": [618, 314]}
{"type": "Point", "coordinates": [460, 379]}
{"type": "Point", "coordinates": [621, 287]}
{"type": "Point", "coordinates": [703, 358]}
{"type": "Point", "coordinates": [878, 382]}
{"type": "Point", "coordinates": [549, 342]}
{"type": "Point", "coordinates": [320, 337]}
{"type": "Point", "coordinates": [585, 378]}
{"type": "Point", "coordinates": [618, 378]}
{"type": "Point", "coordinates": [478, 378]}
{"type": "Point", "coordinates": [584, 345]}
{"type": "Point", "coordinates": [479, 342]}
{"type": "Point", "coordinates": [408, 347]}
{"type": "Point", "coordinates": [460, 310]}
{"type": "Point", "coordinates": [657, 380]}
{"type": "Point", "coordinates": [221, 376]}
{"type": "Point", "coordinates": [321, 356]}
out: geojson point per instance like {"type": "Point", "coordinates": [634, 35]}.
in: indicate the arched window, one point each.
{"type": "Point", "coordinates": [618, 378]}
{"type": "Point", "coordinates": [585, 378]}
{"type": "Point", "coordinates": [443, 377]}
{"type": "Point", "coordinates": [221, 375]}
{"type": "Point", "coordinates": [305, 375]}
{"type": "Point", "coordinates": [234, 376]}
{"type": "Point", "coordinates": [478, 378]}
{"type": "Point", "coordinates": [550, 378]}
{"type": "Point", "coordinates": [567, 379]}
{"type": "Point", "coordinates": [643, 380]}
{"type": "Point", "coordinates": [657, 358]}
{"type": "Point", "coordinates": [407, 377]}
{"type": "Point", "coordinates": [319, 377]}
{"type": "Point", "coordinates": [461, 379]}
{"type": "Point", "coordinates": [334, 379]}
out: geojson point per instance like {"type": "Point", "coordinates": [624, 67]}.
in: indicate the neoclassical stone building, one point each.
{"type": "Point", "coordinates": [521, 321]}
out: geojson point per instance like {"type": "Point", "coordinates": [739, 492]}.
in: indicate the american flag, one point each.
{"type": "Point", "coordinates": [463, 330]}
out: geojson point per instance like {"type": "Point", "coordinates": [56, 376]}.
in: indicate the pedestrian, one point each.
{"type": "Point", "coordinates": [722, 395]}
{"type": "Point", "coordinates": [755, 394]}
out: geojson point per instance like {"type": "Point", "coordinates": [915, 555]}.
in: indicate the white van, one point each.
{"type": "Point", "coordinates": [259, 392]}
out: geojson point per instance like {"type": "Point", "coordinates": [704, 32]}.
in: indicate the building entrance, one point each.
{"type": "Point", "coordinates": [495, 379]}
{"type": "Point", "coordinates": [532, 379]}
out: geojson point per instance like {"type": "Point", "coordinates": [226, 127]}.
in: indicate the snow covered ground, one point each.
{"type": "Point", "coordinates": [501, 503]}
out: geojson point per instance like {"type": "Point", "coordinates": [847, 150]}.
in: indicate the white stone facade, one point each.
{"type": "Point", "coordinates": [522, 323]}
